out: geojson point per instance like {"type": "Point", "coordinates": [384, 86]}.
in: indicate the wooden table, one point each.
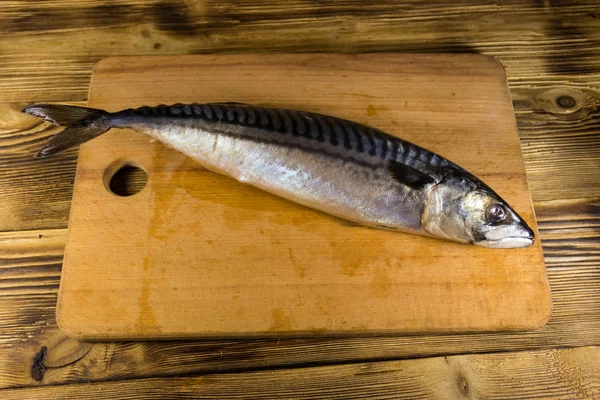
{"type": "Point", "coordinates": [552, 58]}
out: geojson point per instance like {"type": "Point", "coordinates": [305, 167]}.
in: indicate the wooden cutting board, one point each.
{"type": "Point", "coordinates": [195, 254]}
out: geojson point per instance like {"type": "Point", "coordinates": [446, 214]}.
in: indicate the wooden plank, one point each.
{"type": "Point", "coordinates": [30, 262]}
{"type": "Point", "coordinates": [195, 254]}
{"type": "Point", "coordinates": [568, 230]}
{"type": "Point", "coordinates": [34, 194]}
{"type": "Point", "coordinates": [48, 55]}
{"type": "Point", "coordinates": [558, 126]}
{"type": "Point", "coordinates": [549, 374]}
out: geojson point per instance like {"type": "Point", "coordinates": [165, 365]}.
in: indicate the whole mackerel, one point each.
{"type": "Point", "coordinates": [340, 167]}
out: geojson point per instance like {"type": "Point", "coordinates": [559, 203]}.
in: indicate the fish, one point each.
{"type": "Point", "coordinates": [343, 168]}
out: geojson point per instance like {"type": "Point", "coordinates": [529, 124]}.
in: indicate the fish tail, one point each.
{"type": "Point", "coordinates": [82, 124]}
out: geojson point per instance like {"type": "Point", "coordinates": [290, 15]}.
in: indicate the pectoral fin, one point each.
{"type": "Point", "coordinates": [408, 175]}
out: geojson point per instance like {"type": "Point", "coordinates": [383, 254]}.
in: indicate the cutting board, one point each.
{"type": "Point", "coordinates": [196, 254]}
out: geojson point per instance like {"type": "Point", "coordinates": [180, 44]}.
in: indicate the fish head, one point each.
{"type": "Point", "coordinates": [464, 209]}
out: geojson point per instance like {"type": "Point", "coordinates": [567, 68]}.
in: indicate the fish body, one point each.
{"type": "Point", "coordinates": [343, 168]}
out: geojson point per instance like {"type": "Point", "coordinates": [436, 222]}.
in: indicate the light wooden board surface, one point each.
{"type": "Point", "coordinates": [196, 254]}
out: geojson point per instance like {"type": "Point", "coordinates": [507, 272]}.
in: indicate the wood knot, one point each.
{"type": "Point", "coordinates": [561, 100]}
{"type": "Point", "coordinates": [558, 101]}
{"type": "Point", "coordinates": [566, 102]}
{"type": "Point", "coordinates": [65, 351]}
{"type": "Point", "coordinates": [37, 367]}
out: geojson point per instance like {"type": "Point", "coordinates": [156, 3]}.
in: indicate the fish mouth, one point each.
{"type": "Point", "coordinates": [525, 238]}
{"type": "Point", "coordinates": [507, 243]}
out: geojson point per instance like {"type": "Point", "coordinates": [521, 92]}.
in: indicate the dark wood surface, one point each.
{"type": "Point", "coordinates": [551, 52]}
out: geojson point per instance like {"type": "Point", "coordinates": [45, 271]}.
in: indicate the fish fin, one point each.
{"type": "Point", "coordinates": [63, 115]}
{"type": "Point", "coordinates": [83, 124]}
{"type": "Point", "coordinates": [408, 175]}
{"type": "Point", "coordinates": [72, 136]}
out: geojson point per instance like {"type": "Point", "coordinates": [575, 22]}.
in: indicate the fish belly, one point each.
{"type": "Point", "coordinates": [335, 185]}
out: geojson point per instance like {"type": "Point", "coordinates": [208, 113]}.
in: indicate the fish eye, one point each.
{"type": "Point", "coordinates": [495, 213]}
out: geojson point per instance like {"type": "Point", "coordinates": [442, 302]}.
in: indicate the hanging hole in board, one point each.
{"type": "Point", "coordinates": [125, 178]}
